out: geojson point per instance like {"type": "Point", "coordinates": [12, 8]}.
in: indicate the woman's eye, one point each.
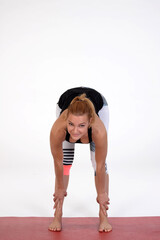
{"type": "Point", "coordinates": [70, 124]}
{"type": "Point", "coordinates": [82, 125]}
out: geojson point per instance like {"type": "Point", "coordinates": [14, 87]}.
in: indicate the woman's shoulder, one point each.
{"type": "Point", "coordinates": [58, 130]}
{"type": "Point", "coordinates": [98, 130]}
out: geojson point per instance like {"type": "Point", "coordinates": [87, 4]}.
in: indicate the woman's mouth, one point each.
{"type": "Point", "coordinates": [75, 135]}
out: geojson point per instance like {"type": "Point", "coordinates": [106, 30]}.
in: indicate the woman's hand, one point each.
{"type": "Point", "coordinates": [103, 200]}
{"type": "Point", "coordinates": [59, 196]}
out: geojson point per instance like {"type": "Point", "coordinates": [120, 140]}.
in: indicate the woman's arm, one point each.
{"type": "Point", "coordinates": [56, 139]}
{"type": "Point", "coordinates": [100, 140]}
{"type": "Point", "coordinates": [100, 157]}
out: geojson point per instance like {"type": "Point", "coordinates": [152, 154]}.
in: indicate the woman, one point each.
{"type": "Point", "coordinates": [82, 118]}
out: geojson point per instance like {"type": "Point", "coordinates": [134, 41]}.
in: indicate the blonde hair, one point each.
{"type": "Point", "coordinates": [82, 105]}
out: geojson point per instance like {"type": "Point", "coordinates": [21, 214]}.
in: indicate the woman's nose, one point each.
{"type": "Point", "coordinates": [75, 130]}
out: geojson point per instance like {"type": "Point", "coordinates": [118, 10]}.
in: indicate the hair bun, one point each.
{"type": "Point", "coordinates": [81, 105]}
{"type": "Point", "coordinates": [80, 98]}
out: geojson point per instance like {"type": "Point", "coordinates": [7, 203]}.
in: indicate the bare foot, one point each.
{"type": "Point", "coordinates": [56, 225]}
{"type": "Point", "coordinates": [104, 225]}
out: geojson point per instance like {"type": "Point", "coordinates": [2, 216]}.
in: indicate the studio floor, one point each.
{"type": "Point", "coordinates": [36, 228]}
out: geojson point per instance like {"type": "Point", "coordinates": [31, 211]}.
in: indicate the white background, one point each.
{"type": "Point", "coordinates": [48, 46]}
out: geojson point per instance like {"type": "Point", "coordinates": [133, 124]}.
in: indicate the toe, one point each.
{"type": "Point", "coordinates": [109, 230]}
{"type": "Point", "coordinates": [100, 229]}
{"type": "Point", "coordinates": [50, 229]}
{"type": "Point", "coordinates": [57, 229]}
{"type": "Point", "coordinates": [105, 229]}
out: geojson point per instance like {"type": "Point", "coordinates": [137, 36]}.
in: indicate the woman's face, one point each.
{"type": "Point", "coordinates": [77, 126]}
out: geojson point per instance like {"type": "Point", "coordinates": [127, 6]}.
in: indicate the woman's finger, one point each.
{"type": "Point", "coordinates": [60, 203]}
{"type": "Point", "coordinates": [97, 200]}
{"type": "Point", "coordinates": [103, 209]}
{"type": "Point", "coordinates": [56, 202]}
{"type": "Point", "coordinates": [54, 199]}
{"type": "Point", "coordinates": [106, 206]}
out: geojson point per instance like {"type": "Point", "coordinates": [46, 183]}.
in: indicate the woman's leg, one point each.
{"type": "Point", "coordinates": [104, 116]}
{"type": "Point", "coordinates": [92, 151]}
{"type": "Point", "coordinates": [68, 157]}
